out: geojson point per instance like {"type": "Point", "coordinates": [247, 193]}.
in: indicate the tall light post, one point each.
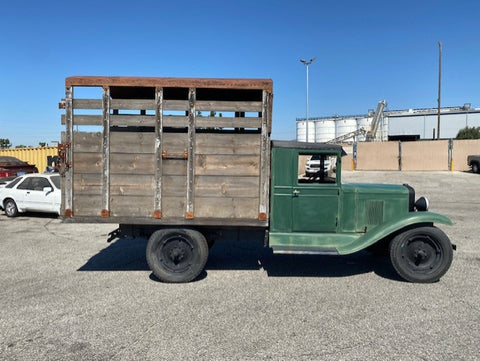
{"type": "Point", "coordinates": [307, 63]}
{"type": "Point", "coordinates": [439, 86]}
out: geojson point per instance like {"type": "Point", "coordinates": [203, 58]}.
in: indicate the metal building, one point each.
{"type": "Point", "coordinates": [395, 124]}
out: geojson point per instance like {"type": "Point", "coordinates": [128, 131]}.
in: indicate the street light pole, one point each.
{"type": "Point", "coordinates": [306, 63]}
{"type": "Point", "coordinates": [439, 86]}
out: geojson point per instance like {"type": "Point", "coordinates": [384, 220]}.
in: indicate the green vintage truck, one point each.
{"type": "Point", "coordinates": [179, 160]}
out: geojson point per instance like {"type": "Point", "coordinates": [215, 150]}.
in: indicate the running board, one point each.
{"type": "Point", "coordinates": [331, 251]}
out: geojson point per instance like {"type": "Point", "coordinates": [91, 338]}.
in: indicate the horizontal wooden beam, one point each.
{"type": "Point", "coordinates": [228, 106]}
{"type": "Point", "coordinates": [213, 83]}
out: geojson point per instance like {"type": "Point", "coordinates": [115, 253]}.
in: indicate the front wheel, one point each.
{"type": "Point", "coordinates": [10, 207]}
{"type": "Point", "coordinates": [177, 255]}
{"type": "Point", "coordinates": [421, 255]}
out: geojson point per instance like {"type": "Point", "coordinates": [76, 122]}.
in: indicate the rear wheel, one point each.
{"type": "Point", "coordinates": [475, 168]}
{"type": "Point", "coordinates": [422, 254]}
{"type": "Point", "coordinates": [177, 255]}
{"type": "Point", "coordinates": [10, 207]}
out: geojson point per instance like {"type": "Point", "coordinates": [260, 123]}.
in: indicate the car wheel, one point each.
{"type": "Point", "coordinates": [177, 255]}
{"type": "Point", "coordinates": [475, 168]}
{"type": "Point", "coordinates": [10, 207]}
{"type": "Point", "coordinates": [421, 255]}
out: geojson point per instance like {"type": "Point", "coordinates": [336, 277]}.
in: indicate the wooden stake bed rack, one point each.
{"type": "Point", "coordinates": [167, 151]}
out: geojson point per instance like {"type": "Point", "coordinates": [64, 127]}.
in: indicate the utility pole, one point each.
{"type": "Point", "coordinates": [307, 63]}
{"type": "Point", "coordinates": [439, 86]}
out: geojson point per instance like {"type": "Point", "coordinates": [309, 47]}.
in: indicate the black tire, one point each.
{"type": "Point", "coordinates": [421, 255]}
{"type": "Point", "coordinates": [177, 255]}
{"type": "Point", "coordinates": [10, 208]}
{"type": "Point", "coordinates": [475, 168]}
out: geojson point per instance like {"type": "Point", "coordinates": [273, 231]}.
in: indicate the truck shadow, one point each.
{"type": "Point", "coordinates": [128, 254]}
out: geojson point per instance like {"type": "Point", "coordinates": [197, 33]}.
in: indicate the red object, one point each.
{"type": "Point", "coordinates": [11, 167]}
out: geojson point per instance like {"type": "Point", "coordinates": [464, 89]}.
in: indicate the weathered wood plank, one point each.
{"type": "Point", "coordinates": [132, 142]}
{"type": "Point", "coordinates": [226, 207]}
{"type": "Point", "coordinates": [123, 163]}
{"type": "Point", "coordinates": [132, 120]}
{"type": "Point", "coordinates": [67, 202]}
{"type": "Point", "coordinates": [132, 206]}
{"type": "Point", "coordinates": [87, 184]}
{"type": "Point", "coordinates": [230, 106]}
{"type": "Point", "coordinates": [175, 167]}
{"type": "Point", "coordinates": [173, 206]}
{"type": "Point", "coordinates": [228, 143]}
{"type": "Point", "coordinates": [87, 205]}
{"type": "Point", "coordinates": [84, 119]}
{"type": "Point", "coordinates": [87, 163]}
{"type": "Point", "coordinates": [175, 121]}
{"type": "Point", "coordinates": [227, 165]}
{"type": "Point", "coordinates": [176, 105]}
{"type": "Point", "coordinates": [174, 186]}
{"type": "Point", "coordinates": [132, 185]}
{"type": "Point", "coordinates": [175, 143]}
{"type": "Point", "coordinates": [87, 142]}
{"type": "Point", "coordinates": [222, 186]}
{"type": "Point", "coordinates": [158, 176]}
{"type": "Point", "coordinates": [133, 104]}
{"type": "Point", "coordinates": [264, 160]}
{"type": "Point", "coordinates": [87, 104]}
{"type": "Point", "coordinates": [228, 122]}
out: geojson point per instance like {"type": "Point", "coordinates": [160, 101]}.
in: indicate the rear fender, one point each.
{"type": "Point", "coordinates": [392, 227]}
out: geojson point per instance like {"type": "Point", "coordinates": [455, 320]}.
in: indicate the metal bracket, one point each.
{"type": "Point", "coordinates": [183, 155]}
{"type": "Point", "coordinates": [63, 161]}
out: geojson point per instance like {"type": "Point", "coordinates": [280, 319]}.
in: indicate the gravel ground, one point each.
{"type": "Point", "coordinates": [66, 294]}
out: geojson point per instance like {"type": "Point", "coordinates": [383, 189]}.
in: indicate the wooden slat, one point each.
{"type": "Point", "coordinates": [228, 122]}
{"type": "Point", "coordinates": [222, 186]}
{"type": "Point", "coordinates": [175, 105]}
{"type": "Point", "coordinates": [228, 143]}
{"type": "Point", "coordinates": [226, 207]}
{"type": "Point", "coordinates": [133, 104]}
{"type": "Point", "coordinates": [174, 121]}
{"type": "Point", "coordinates": [132, 206]}
{"type": "Point", "coordinates": [87, 163]}
{"type": "Point", "coordinates": [87, 142]}
{"type": "Point", "coordinates": [132, 120]}
{"type": "Point", "coordinates": [87, 184]}
{"type": "Point", "coordinates": [122, 163]}
{"type": "Point", "coordinates": [106, 153]}
{"type": "Point", "coordinates": [174, 186]}
{"type": "Point", "coordinates": [132, 142]}
{"type": "Point", "coordinates": [175, 167]}
{"type": "Point", "coordinates": [132, 185]}
{"type": "Point", "coordinates": [80, 119]}
{"type": "Point", "coordinates": [227, 165]}
{"type": "Point", "coordinates": [87, 205]}
{"type": "Point", "coordinates": [173, 206]}
{"type": "Point", "coordinates": [229, 106]}
{"type": "Point", "coordinates": [87, 104]}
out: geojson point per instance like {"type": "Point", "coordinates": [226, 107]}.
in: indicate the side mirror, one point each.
{"type": "Point", "coordinates": [47, 189]}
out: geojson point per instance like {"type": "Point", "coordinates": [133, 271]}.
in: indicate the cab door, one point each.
{"type": "Point", "coordinates": [315, 195]}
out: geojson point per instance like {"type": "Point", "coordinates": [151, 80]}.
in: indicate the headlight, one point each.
{"type": "Point", "coordinates": [421, 204]}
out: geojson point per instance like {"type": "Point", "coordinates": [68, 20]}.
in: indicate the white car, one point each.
{"type": "Point", "coordinates": [31, 193]}
{"type": "Point", "coordinates": [312, 167]}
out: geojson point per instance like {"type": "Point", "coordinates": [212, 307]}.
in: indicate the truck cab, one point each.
{"type": "Point", "coordinates": [318, 214]}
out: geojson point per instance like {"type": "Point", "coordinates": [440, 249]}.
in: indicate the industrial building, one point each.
{"type": "Point", "coordinates": [409, 124]}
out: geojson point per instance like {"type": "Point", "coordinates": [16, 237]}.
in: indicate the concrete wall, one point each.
{"type": "Point", "coordinates": [34, 156]}
{"type": "Point", "coordinates": [377, 156]}
{"type": "Point", "coordinates": [426, 155]}
{"type": "Point", "coordinates": [421, 156]}
{"type": "Point", "coordinates": [462, 149]}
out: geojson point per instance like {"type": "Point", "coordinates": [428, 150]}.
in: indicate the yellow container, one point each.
{"type": "Point", "coordinates": [34, 156]}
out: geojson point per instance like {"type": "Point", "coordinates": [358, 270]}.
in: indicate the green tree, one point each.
{"type": "Point", "coordinates": [20, 146]}
{"type": "Point", "coordinates": [5, 143]}
{"type": "Point", "coordinates": [469, 133]}
{"type": "Point", "coordinates": [42, 144]}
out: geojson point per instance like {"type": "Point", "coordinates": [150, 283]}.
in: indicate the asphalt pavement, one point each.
{"type": "Point", "coordinates": [66, 294]}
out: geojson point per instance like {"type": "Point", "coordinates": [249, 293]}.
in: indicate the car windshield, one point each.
{"type": "Point", "coordinates": [6, 161]}
{"type": "Point", "coordinates": [56, 181]}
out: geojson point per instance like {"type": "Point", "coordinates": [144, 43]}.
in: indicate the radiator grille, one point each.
{"type": "Point", "coordinates": [374, 212]}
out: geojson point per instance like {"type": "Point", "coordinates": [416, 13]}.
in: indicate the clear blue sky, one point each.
{"type": "Point", "coordinates": [366, 51]}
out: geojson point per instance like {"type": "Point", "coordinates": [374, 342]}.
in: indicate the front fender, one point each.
{"type": "Point", "coordinates": [390, 227]}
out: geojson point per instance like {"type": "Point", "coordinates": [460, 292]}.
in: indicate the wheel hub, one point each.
{"type": "Point", "coordinates": [177, 255]}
